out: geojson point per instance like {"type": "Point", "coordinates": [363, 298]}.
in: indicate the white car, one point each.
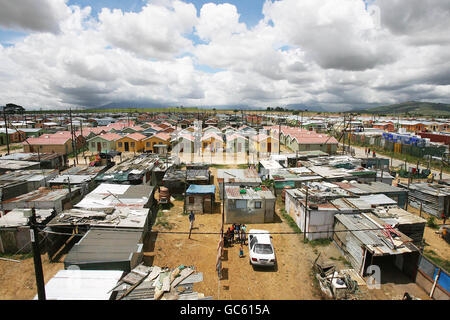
{"type": "Point", "coordinates": [260, 248]}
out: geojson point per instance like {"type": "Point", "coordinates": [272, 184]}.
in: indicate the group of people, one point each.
{"type": "Point", "coordinates": [236, 234]}
{"type": "Point", "coordinates": [367, 151]}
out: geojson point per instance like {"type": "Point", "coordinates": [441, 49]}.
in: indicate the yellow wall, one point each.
{"type": "Point", "coordinates": [215, 143]}
{"type": "Point", "coordinates": [138, 145]}
{"type": "Point", "coordinates": [153, 140]}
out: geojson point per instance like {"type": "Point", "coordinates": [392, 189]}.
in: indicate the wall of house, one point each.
{"type": "Point", "coordinates": [350, 246]}
{"type": "Point", "coordinates": [250, 214]}
{"type": "Point", "coordinates": [13, 239]}
{"type": "Point", "coordinates": [150, 142]}
{"type": "Point", "coordinates": [105, 145]}
{"type": "Point", "coordinates": [198, 205]}
{"type": "Point", "coordinates": [49, 148]}
{"type": "Point", "coordinates": [120, 145]}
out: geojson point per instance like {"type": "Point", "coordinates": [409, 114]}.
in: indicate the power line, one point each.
{"type": "Point", "coordinates": [218, 233]}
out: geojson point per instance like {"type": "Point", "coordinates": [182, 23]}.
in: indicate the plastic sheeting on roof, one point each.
{"type": "Point", "coordinates": [195, 189]}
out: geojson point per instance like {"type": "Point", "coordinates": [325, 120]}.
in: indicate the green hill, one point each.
{"type": "Point", "coordinates": [412, 108]}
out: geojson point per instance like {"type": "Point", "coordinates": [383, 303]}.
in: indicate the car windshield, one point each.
{"type": "Point", "coordinates": [263, 248]}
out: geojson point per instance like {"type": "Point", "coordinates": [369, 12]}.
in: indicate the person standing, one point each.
{"type": "Point", "coordinates": [243, 233]}
{"type": "Point", "coordinates": [191, 220]}
{"type": "Point", "coordinates": [237, 232]}
{"type": "Point", "coordinates": [241, 251]}
{"type": "Point", "coordinates": [232, 233]}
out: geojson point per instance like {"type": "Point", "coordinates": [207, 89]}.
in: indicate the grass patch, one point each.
{"type": "Point", "coordinates": [290, 221]}
{"type": "Point", "coordinates": [12, 147]}
{"type": "Point", "coordinates": [318, 242]}
{"type": "Point", "coordinates": [221, 166]}
{"type": "Point", "coordinates": [431, 222]}
{"type": "Point", "coordinates": [443, 263]}
{"type": "Point", "coordinates": [22, 256]}
{"type": "Point", "coordinates": [161, 220]}
{"type": "Point", "coordinates": [344, 261]}
{"type": "Point", "coordinates": [178, 197]}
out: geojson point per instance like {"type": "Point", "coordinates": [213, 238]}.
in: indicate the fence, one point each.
{"type": "Point", "coordinates": [407, 149]}
{"type": "Point", "coordinates": [434, 280]}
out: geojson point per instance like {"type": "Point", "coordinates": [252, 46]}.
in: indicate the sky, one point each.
{"type": "Point", "coordinates": [336, 55]}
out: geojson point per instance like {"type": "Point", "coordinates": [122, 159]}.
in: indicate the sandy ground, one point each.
{"type": "Point", "coordinates": [290, 280]}
{"type": "Point", "coordinates": [17, 280]}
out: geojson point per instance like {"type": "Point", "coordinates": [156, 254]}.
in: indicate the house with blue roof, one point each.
{"type": "Point", "coordinates": [200, 198]}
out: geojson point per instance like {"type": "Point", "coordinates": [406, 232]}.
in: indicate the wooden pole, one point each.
{"type": "Point", "coordinates": [420, 210]}
{"type": "Point", "coordinates": [306, 210]}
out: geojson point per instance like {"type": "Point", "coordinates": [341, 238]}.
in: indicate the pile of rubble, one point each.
{"type": "Point", "coordinates": [337, 284]}
{"type": "Point", "coordinates": [156, 283]}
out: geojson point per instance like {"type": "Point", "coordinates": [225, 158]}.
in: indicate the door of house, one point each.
{"type": "Point", "coordinates": [329, 148]}
{"type": "Point", "coordinates": [99, 146]}
{"type": "Point", "coordinates": [127, 147]}
{"type": "Point", "coordinates": [269, 147]}
{"type": "Point", "coordinates": [239, 147]}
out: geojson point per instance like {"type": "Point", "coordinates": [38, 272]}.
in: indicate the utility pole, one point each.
{"type": "Point", "coordinates": [350, 133]}
{"type": "Point", "coordinates": [72, 133]}
{"type": "Point", "coordinates": [344, 129]}
{"type": "Point", "coordinates": [279, 135]}
{"type": "Point", "coordinates": [84, 140]}
{"type": "Point", "coordinates": [6, 128]}
{"type": "Point", "coordinates": [306, 210]}
{"type": "Point", "coordinates": [37, 256]}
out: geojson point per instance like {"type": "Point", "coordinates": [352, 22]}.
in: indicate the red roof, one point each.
{"type": "Point", "coordinates": [109, 136]}
{"type": "Point", "coordinates": [136, 136]}
{"type": "Point", "coordinates": [48, 139]}
{"type": "Point", "coordinates": [163, 136]}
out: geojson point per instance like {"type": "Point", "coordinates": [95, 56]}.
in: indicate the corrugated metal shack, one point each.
{"type": "Point", "coordinates": [44, 198]}
{"type": "Point", "coordinates": [18, 182]}
{"type": "Point", "coordinates": [82, 285]}
{"type": "Point", "coordinates": [108, 195]}
{"type": "Point", "coordinates": [332, 174]}
{"type": "Point", "coordinates": [434, 198]}
{"type": "Point", "coordinates": [334, 161]}
{"type": "Point", "coordinates": [249, 205]}
{"type": "Point", "coordinates": [108, 206]}
{"type": "Point", "coordinates": [107, 249]}
{"type": "Point", "coordinates": [15, 232]}
{"type": "Point", "coordinates": [265, 168]}
{"type": "Point", "coordinates": [85, 182]}
{"type": "Point", "coordinates": [177, 181]}
{"type": "Point", "coordinates": [409, 224]}
{"type": "Point", "coordinates": [362, 240]}
{"type": "Point", "coordinates": [47, 160]}
{"type": "Point", "coordinates": [293, 177]}
{"type": "Point", "coordinates": [137, 170]}
{"type": "Point", "coordinates": [85, 170]}
{"type": "Point", "coordinates": [200, 198]}
{"type": "Point", "coordinates": [12, 165]}
{"type": "Point", "coordinates": [156, 283]}
{"type": "Point", "coordinates": [400, 195]}
{"type": "Point", "coordinates": [237, 177]}
{"type": "Point", "coordinates": [319, 212]}
{"type": "Point", "coordinates": [34, 178]}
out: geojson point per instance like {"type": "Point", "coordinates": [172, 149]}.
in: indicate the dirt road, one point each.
{"type": "Point", "coordinates": [290, 280]}
{"type": "Point", "coordinates": [17, 280]}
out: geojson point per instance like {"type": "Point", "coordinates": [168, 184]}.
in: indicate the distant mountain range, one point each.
{"type": "Point", "coordinates": [410, 107]}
